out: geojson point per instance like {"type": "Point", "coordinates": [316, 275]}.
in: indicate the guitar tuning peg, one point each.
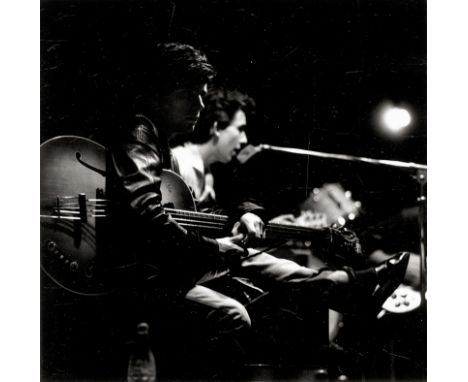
{"type": "Point", "coordinates": [348, 194]}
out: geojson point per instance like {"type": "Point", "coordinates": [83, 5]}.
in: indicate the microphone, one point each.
{"type": "Point", "coordinates": [248, 152]}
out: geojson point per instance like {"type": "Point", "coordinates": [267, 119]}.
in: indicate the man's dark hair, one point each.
{"type": "Point", "coordinates": [220, 106]}
{"type": "Point", "coordinates": [171, 66]}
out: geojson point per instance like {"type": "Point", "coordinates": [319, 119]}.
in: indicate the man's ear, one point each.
{"type": "Point", "coordinates": [214, 131]}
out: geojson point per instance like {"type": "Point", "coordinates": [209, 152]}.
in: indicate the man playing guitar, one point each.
{"type": "Point", "coordinates": [155, 251]}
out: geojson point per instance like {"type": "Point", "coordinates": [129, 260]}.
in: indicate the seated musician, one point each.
{"type": "Point", "coordinates": [178, 265]}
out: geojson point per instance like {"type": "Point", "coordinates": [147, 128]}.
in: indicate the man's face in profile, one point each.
{"type": "Point", "coordinates": [181, 108]}
{"type": "Point", "coordinates": [230, 139]}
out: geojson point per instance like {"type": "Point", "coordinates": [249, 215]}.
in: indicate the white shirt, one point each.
{"type": "Point", "coordinates": [192, 170]}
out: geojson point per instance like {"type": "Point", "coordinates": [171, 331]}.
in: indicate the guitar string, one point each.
{"type": "Point", "coordinates": [268, 232]}
{"type": "Point", "coordinates": [214, 219]}
{"type": "Point", "coordinates": [220, 224]}
{"type": "Point", "coordinates": [208, 216]}
{"type": "Point", "coordinates": [272, 226]}
{"type": "Point", "coordinates": [197, 214]}
{"type": "Point", "coordinates": [210, 219]}
{"type": "Point", "coordinates": [201, 225]}
{"type": "Point", "coordinates": [302, 231]}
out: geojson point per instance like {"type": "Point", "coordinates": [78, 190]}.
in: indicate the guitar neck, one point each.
{"type": "Point", "coordinates": [177, 195]}
{"type": "Point", "coordinates": [293, 231]}
{"type": "Point", "coordinates": [219, 223]}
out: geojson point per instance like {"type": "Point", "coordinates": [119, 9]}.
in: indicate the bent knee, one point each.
{"type": "Point", "coordinates": [239, 315]}
{"type": "Point", "coordinates": [232, 316]}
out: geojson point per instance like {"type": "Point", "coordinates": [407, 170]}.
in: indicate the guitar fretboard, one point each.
{"type": "Point", "coordinates": [216, 222]}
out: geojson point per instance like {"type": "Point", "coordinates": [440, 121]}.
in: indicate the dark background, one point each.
{"type": "Point", "coordinates": [317, 70]}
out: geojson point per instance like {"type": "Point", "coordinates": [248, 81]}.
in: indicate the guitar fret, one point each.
{"type": "Point", "coordinates": [199, 215]}
{"type": "Point", "coordinates": [201, 226]}
{"type": "Point", "coordinates": [194, 213]}
{"type": "Point", "coordinates": [194, 222]}
{"type": "Point", "coordinates": [177, 217]}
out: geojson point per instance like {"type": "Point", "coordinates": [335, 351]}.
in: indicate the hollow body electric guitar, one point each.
{"type": "Point", "coordinates": [74, 213]}
{"type": "Point", "coordinates": [73, 209]}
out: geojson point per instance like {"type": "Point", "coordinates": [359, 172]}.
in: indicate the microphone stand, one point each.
{"type": "Point", "coordinates": [420, 175]}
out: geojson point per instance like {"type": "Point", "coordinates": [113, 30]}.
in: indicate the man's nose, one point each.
{"type": "Point", "coordinates": [243, 138]}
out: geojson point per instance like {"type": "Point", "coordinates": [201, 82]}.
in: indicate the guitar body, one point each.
{"type": "Point", "coordinates": [175, 192]}
{"type": "Point", "coordinates": [71, 166]}
{"type": "Point", "coordinates": [71, 241]}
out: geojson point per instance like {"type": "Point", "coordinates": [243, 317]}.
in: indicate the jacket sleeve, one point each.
{"type": "Point", "coordinates": [137, 167]}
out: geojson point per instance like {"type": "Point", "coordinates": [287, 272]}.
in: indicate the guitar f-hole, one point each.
{"type": "Point", "coordinates": [87, 165]}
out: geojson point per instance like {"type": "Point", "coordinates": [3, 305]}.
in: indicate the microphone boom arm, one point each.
{"type": "Point", "coordinates": [383, 162]}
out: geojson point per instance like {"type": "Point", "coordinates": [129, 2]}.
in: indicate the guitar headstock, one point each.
{"type": "Point", "coordinates": [307, 219]}
{"type": "Point", "coordinates": [334, 202]}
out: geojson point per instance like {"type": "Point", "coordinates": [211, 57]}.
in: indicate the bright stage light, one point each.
{"type": "Point", "coordinates": [396, 118]}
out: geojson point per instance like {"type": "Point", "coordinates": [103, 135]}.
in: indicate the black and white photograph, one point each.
{"type": "Point", "coordinates": [233, 190]}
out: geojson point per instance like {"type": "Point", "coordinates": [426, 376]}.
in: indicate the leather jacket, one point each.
{"type": "Point", "coordinates": [145, 238]}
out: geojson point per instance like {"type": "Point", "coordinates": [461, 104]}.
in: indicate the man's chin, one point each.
{"type": "Point", "coordinates": [186, 128]}
{"type": "Point", "coordinates": [230, 158]}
